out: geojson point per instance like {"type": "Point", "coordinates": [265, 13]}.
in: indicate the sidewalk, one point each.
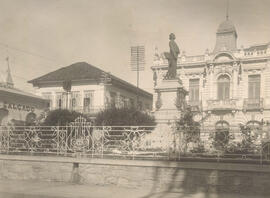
{"type": "Point", "coordinates": [32, 189]}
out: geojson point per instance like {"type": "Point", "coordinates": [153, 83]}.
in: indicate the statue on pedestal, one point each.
{"type": "Point", "coordinates": [172, 58]}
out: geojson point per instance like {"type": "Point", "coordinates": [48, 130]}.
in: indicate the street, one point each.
{"type": "Point", "coordinates": [33, 189]}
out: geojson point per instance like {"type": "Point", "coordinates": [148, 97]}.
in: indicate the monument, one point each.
{"type": "Point", "coordinates": [169, 100]}
{"type": "Point", "coordinates": [170, 92]}
{"type": "Point", "coordinates": [172, 58]}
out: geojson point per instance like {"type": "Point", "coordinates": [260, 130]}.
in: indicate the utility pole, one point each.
{"type": "Point", "coordinates": [137, 63]}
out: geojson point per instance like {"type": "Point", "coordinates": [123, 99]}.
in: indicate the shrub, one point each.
{"type": "Point", "coordinates": [189, 129]}
{"type": "Point", "coordinates": [248, 143]}
{"type": "Point", "coordinates": [124, 117]}
{"type": "Point", "coordinates": [61, 117]}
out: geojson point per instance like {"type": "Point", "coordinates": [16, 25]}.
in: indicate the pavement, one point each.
{"type": "Point", "coordinates": [34, 189]}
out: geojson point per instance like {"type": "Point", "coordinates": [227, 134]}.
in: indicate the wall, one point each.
{"type": "Point", "coordinates": [98, 100]}
{"type": "Point", "coordinates": [146, 101]}
{"type": "Point", "coordinates": [99, 93]}
{"type": "Point", "coordinates": [18, 105]}
{"type": "Point", "coordinates": [155, 175]}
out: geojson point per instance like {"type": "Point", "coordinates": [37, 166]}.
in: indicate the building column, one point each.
{"type": "Point", "coordinates": [235, 80]}
{"type": "Point", "coordinates": [53, 105]}
{"type": "Point", "coordinates": [211, 83]}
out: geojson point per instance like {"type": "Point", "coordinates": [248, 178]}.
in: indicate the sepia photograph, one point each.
{"type": "Point", "coordinates": [134, 98]}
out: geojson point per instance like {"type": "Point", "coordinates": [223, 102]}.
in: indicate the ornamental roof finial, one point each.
{"type": "Point", "coordinates": [227, 10]}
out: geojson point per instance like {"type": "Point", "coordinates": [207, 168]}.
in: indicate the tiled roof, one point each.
{"type": "Point", "coordinates": [81, 71]}
{"type": "Point", "coordinates": [76, 71]}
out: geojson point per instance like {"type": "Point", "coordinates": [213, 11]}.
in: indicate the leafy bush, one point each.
{"type": "Point", "coordinates": [61, 117]}
{"type": "Point", "coordinates": [220, 139]}
{"type": "Point", "coordinates": [248, 143]}
{"type": "Point", "coordinates": [124, 117]}
{"type": "Point", "coordinates": [189, 127]}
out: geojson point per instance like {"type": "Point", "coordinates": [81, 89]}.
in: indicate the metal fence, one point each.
{"type": "Point", "coordinates": [80, 138]}
{"type": "Point", "coordinates": [91, 141]}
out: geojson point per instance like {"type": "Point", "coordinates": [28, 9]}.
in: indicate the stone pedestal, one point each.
{"type": "Point", "coordinates": [170, 101]}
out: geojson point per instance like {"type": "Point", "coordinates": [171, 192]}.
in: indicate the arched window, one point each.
{"type": "Point", "coordinates": [223, 87]}
{"type": "Point", "coordinates": [222, 134]}
{"type": "Point", "coordinates": [222, 125]}
{"type": "Point", "coordinates": [253, 124]}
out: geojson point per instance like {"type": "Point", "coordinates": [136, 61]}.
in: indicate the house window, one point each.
{"type": "Point", "coordinates": [194, 89]}
{"type": "Point", "coordinates": [140, 105]}
{"type": "Point", "coordinates": [223, 87]}
{"type": "Point", "coordinates": [73, 103]}
{"type": "Point", "coordinates": [131, 102]}
{"type": "Point", "coordinates": [75, 100]}
{"type": "Point", "coordinates": [60, 100]}
{"type": "Point", "coordinates": [254, 83]}
{"type": "Point", "coordinates": [88, 99]}
{"type": "Point", "coordinates": [122, 102]}
{"type": "Point", "coordinates": [48, 96]}
{"type": "Point", "coordinates": [113, 99]}
{"type": "Point", "coordinates": [86, 103]}
{"type": "Point", "coordinates": [126, 103]}
{"type": "Point", "coordinates": [60, 103]}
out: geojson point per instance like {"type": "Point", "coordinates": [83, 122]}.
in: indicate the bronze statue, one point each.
{"type": "Point", "coordinates": [172, 58]}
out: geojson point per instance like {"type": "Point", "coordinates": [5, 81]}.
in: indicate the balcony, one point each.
{"type": "Point", "coordinates": [195, 105]}
{"type": "Point", "coordinates": [251, 104]}
{"type": "Point", "coordinates": [221, 105]}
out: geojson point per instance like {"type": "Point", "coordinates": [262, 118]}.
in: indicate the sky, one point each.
{"type": "Point", "coordinates": [40, 36]}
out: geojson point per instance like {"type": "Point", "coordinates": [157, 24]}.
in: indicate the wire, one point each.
{"type": "Point", "coordinates": [4, 45]}
{"type": "Point", "coordinates": [27, 52]}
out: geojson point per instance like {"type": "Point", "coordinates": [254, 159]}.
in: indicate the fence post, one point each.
{"type": "Point", "coordinates": [133, 145]}
{"type": "Point", "coordinates": [261, 157]}
{"type": "Point", "coordinates": [91, 136]}
{"type": "Point", "coordinates": [66, 139]}
{"type": "Point", "coordinates": [58, 140]}
{"type": "Point", "coordinates": [9, 139]}
{"type": "Point", "coordinates": [102, 141]}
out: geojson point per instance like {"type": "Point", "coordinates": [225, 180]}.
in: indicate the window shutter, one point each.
{"type": "Point", "coordinates": [223, 87]}
{"type": "Point", "coordinates": [197, 93]}
{"type": "Point", "coordinates": [254, 83]}
{"type": "Point", "coordinates": [227, 90]}
{"type": "Point", "coordinates": [194, 89]}
{"type": "Point", "coordinates": [257, 90]}
{"type": "Point", "coordinates": [220, 91]}
{"type": "Point", "coordinates": [250, 90]}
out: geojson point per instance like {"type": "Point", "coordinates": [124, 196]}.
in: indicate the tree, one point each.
{"type": "Point", "coordinates": [124, 117]}
{"type": "Point", "coordinates": [61, 117]}
{"type": "Point", "coordinates": [189, 129]}
{"type": "Point", "coordinates": [247, 145]}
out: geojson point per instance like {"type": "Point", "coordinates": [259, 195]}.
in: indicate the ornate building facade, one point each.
{"type": "Point", "coordinates": [227, 86]}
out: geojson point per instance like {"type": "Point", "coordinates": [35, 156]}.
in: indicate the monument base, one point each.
{"type": "Point", "coordinates": [170, 101]}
